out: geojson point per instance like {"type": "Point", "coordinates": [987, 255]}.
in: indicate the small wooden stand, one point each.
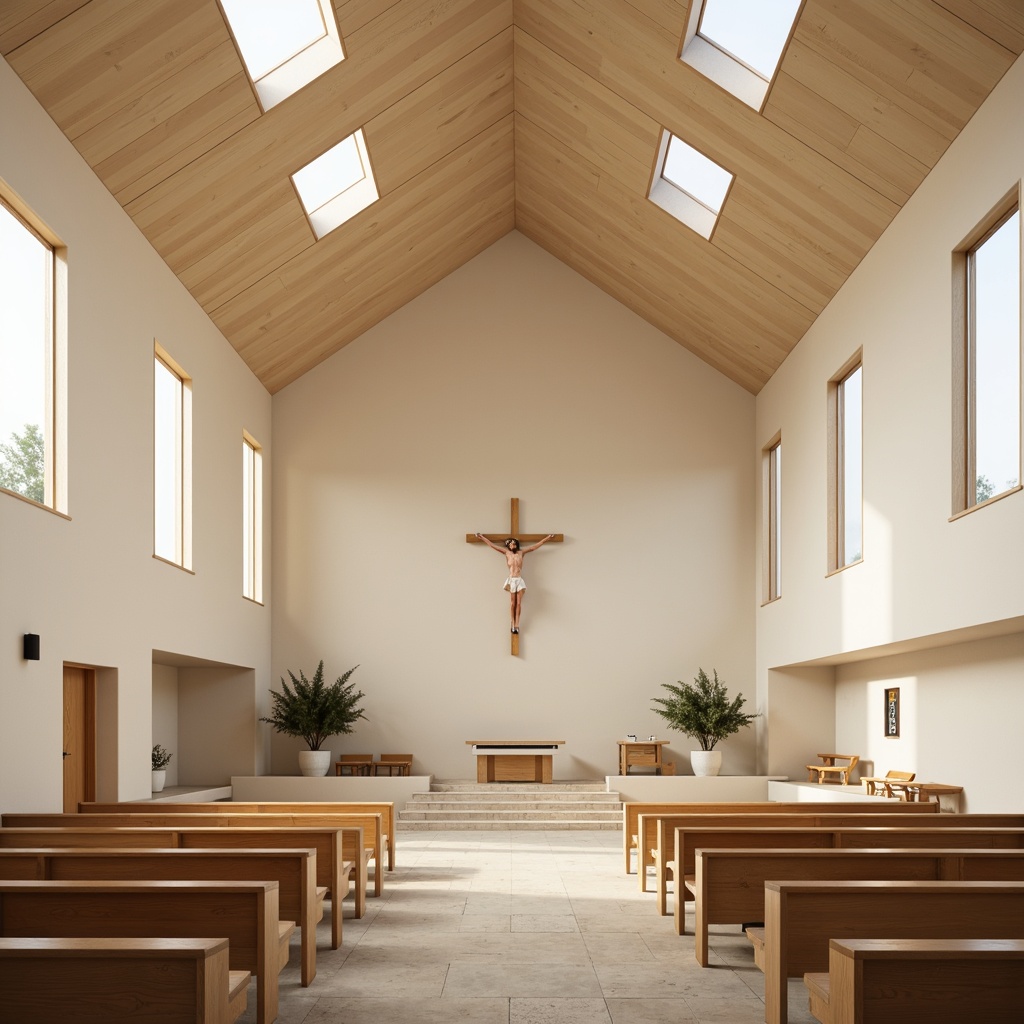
{"type": "Point", "coordinates": [642, 754]}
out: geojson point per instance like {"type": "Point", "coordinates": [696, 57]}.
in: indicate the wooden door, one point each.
{"type": "Point", "coordinates": [79, 736]}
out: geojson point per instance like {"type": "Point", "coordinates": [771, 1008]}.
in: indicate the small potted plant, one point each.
{"type": "Point", "coordinates": [314, 711]}
{"type": "Point", "coordinates": [161, 759]}
{"type": "Point", "coordinates": [703, 711]}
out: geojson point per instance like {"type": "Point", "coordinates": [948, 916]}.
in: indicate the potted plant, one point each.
{"type": "Point", "coordinates": [161, 759]}
{"type": "Point", "coordinates": [314, 711]}
{"type": "Point", "coordinates": [703, 711]}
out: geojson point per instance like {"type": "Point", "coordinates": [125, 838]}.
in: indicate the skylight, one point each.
{"type": "Point", "coordinates": [285, 44]}
{"type": "Point", "coordinates": [689, 185]}
{"type": "Point", "coordinates": [739, 43]}
{"type": "Point", "coordinates": [337, 184]}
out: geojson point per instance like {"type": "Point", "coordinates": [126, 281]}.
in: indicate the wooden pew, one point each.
{"type": "Point", "coordinates": [293, 870]}
{"type": "Point", "coordinates": [824, 831]}
{"type": "Point", "coordinates": [729, 884]}
{"type": "Point", "coordinates": [658, 831]}
{"type": "Point", "coordinates": [385, 808]}
{"type": "Point", "coordinates": [120, 981]}
{"type": "Point", "coordinates": [801, 917]}
{"type": "Point", "coordinates": [632, 810]}
{"type": "Point", "coordinates": [920, 981]}
{"type": "Point", "coordinates": [372, 825]}
{"type": "Point", "coordinates": [333, 870]}
{"type": "Point", "coordinates": [245, 913]}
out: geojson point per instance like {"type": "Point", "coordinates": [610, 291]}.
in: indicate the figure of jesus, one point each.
{"type": "Point", "coordinates": [515, 584]}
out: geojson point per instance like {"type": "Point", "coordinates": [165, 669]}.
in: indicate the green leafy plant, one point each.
{"type": "Point", "coordinates": [702, 710]}
{"type": "Point", "coordinates": [313, 710]}
{"type": "Point", "coordinates": [161, 758]}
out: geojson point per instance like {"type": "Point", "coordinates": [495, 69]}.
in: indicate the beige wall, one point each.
{"type": "Point", "coordinates": [922, 576]}
{"type": "Point", "coordinates": [88, 585]}
{"type": "Point", "coordinates": [514, 377]}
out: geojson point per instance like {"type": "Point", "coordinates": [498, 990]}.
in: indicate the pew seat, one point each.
{"type": "Point", "coordinates": [919, 981]}
{"type": "Point", "coordinates": [120, 981]}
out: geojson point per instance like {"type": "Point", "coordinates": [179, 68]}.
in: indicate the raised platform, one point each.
{"type": "Point", "coordinates": [397, 789]}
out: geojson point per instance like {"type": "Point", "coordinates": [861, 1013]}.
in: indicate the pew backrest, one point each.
{"type": "Point", "coordinates": [801, 917]}
{"type": "Point", "coordinates": [245, 913]}
{"type": "Point", "coordinates": [118, 981]}
{"type": "Point", "coordinates": [632, 810]}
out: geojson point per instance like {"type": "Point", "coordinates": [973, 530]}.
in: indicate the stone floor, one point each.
{"type": "Point", "coordinates": [521, 928]}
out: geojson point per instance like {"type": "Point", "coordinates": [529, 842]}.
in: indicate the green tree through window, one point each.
{"type": "Point", "coordinates": [23, 463]}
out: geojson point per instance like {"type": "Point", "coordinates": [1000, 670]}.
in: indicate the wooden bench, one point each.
{"type": "Point", "coordinates": [353, 764]}
{"type": "Point", "coordinates": [334, 870]}
{"type": "Point", "coordinates": [941, 981]}
{"type": "Point", "coordinates": [299, 900]}
{"type": "Point", "coordinates": [829, 767]}
{"type": "Point", "coordinates": [728, 887]}
{"type": "Point", "coordinates": [385, 808]}
{"type": "Point", "coordinates": [245, 913]}
{"type": "Point", "coordinates": [120, 981]}
{"type": "Point", "coordinates": [632, 810]}
{"type": "Point", "coordinates": [400, 763]}
{"type": "Point", "coordinates": [801, 917]}
{"type": "Point", "coordinates": [880, 784]}
{"type": "Point", "coordinates": [658, 830]}
{"type": "Point", "coordinates": [372, 825]}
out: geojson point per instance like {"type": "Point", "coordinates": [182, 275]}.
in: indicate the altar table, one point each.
{"type": "Point", "coordinates": [514, 760]}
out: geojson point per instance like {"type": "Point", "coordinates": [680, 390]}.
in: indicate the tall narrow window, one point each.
{"type": "Point", "coordinates": [32, 363]}
{"type": "Point", "coordinates": [771, 574]}
{"type": "Point", "coordinates": [172, 462]}
{"type": "Point", "coordinates": [987, 376]}
{"type": "Point", "coordinates": [252, 518]}
{"type": "Point", "coordinates": [846, 467]}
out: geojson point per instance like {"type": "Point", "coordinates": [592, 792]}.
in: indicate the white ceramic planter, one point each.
{"type": "Point", "coordinates": [159, 778]}
{"type": "Point", "coordinates": [706, 762]}
{"type": "Point", "coordinates": [314, 763]}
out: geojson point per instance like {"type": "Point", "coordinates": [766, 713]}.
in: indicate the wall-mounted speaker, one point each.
{"type": "Point", "coordinates": [30, 647]}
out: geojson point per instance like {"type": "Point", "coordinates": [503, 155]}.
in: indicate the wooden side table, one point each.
{"type": "Point", "coordinates": [640, 753]}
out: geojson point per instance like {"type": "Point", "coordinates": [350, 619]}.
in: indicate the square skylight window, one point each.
{"type": "Point", "coordinates": [739, 43]}
{"type": "Point", "coordinates": [689, 185]}
{"type": "Point", "coordinates": [335, 186]}
{"type": "Point", "coordinates": [285, 44]}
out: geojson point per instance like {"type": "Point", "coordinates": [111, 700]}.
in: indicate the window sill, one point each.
{"type": "Point", "coordinates": [173, 565]}
{"type": "Point", "coordinates": [983, 504]}
{"type": "Point", "coordinates": [843, 568]}
{"type": "Point", "coordinates": [35, 504]}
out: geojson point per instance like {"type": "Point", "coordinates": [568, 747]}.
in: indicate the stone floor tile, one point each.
{"type": "Point", "coordinates": [538, 980]}
{"type": "Point", "coordinates": [528, 1010]}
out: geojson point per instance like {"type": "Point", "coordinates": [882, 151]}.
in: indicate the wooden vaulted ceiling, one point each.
{"type": "Point", "coordinates": [485, 115]}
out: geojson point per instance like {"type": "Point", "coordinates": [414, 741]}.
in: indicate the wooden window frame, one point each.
{"type": "Point", "coordinates": [183, 466]}
{"type": "Point", "coordinates": [252, 523]}
{"type": "Point", "coordinates": [771, 520]}
{"type": "Point", "coordinates": [55, 470]}
{"type": "Point", "coordinates": [836, 466]}
{"type": "Point", "coordinates": [964, 469]}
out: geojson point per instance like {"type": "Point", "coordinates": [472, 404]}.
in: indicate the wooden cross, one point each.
{"type": "Point", "coordinates": [523, 538]}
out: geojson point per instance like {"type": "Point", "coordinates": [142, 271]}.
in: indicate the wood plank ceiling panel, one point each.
{"type": "Point", "coordinates": [331, 293]}
{"type": "Point", "coordinates": [155, 97]}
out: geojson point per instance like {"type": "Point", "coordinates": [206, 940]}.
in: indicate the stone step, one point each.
{"type": "Point", "coordinates": [458, 804]}
{"type": "Point", "coordinates": [420, 802]}
{"type": "Point", "coordinates": [509, 826]}
{"type": "Point", "coordinates": [509, 814]}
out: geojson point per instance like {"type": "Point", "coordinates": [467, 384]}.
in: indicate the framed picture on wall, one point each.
{"type": "Point", "coordinates": [892, 712]}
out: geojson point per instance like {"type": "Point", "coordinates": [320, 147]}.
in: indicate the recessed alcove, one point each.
{"type": "Point", "coordinates": [204, 713]}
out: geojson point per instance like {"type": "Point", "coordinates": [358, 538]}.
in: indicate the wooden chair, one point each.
{"type": "Point", "coordinates": [828, 767]}
{"type": "Point", "coordinates": [392, 762]}
{"type": "Point", "coordinates": [353, 764]}
{"type": "Point", "coordinates": [882, 785]}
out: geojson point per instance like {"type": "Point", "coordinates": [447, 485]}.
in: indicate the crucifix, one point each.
{"type": "Point", "coordinates": [521, 538]}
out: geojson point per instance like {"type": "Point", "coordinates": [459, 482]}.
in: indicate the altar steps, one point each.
{"type": "Point", "coordinates": [513, 805]}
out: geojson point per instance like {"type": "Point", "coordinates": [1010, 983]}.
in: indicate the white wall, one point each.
{"type": "Point", "coordinates": [89, 585]}
{"type": "Point", "coordinates": [514, 377]}
{"type": "Point", "coordinates": [922, 576]}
